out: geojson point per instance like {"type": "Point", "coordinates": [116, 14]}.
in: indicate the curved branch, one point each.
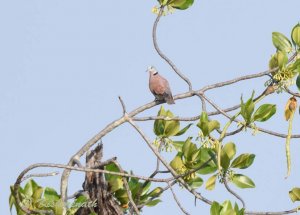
{"type": "Point", "coordinates": [291, 92]}
{"type": "Point", "coordinates": [162, 54]}
{"type": "Point", "coordinates": [39, 175]}
{"type": "Point", "coordinates": [233, 193]}
{"type": "Point", "coordinates": [177, 201]}
{"type": "Point", "coordinates": [295, 210]}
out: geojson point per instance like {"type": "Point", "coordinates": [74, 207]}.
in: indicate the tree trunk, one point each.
{"type": "Point", "coordinates": [97, 189]}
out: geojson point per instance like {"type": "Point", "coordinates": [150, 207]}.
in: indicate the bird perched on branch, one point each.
{"type": "Point", "coordinates": [159, 86]}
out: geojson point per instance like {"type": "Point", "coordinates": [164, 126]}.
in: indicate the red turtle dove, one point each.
{"type": "Point", "coordinates": [159, 86]}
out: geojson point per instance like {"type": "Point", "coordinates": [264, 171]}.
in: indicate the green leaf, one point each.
{"type": "Point", "coordinates": [282, 59]}
{"type": "Point", "coordinates": [215, 208]}
{"type": "Point", "coordinates": [294, 66]}
{"type": "Point", "coordinates": [58, 209]}
{"type": "Point", "coordinates": [11, 201]}
{"type": "Point", "coordinates": [281, 42]}
{"type": "Point", "coordinates": [229, 149]}
{"type": "Point", "coordinates": [30, 187]}
{"type": "Point", "coordinates": [177, 163]}
{"type": "Point", "coordinates": [37, 194]}
{"type": "Point", "coordinates": [227, 209]}
{"type": "Point", "coordinates": [146, 188]}
{"type": "Point", "coordinates": [159, 124]}
{"type": "Point", "coordinates": [273, 63]}
{"type": "Point", "coordinates": [295, 194]}
{"type": "Point", "coordinates": [205, 155]}
{"type": "Point", "coordinates": [171, 127]}
{"type": "Point", "coordinates": [211, 183]}
{"type": "Point", "coordinates": [167, 128]}
{"type": "Point", "coordinates": [79, 202]}
{"type": "Point", "coordinates": [296, 35]}
{"type": "Point", "coordinates": [188, 149]}
{"type": "Point", "coordinates": [227, 153]}
{"type": "Point", "coordinates": [133, 182]}
{"type": "Point", "coordinates": [155, 192]}
{"type": "Point", "coordinates": [153, 202]}
{"type": "Point", "coordinates": [242, 181]}
{"type": "Point", "coordinates": [115, 182]}
{"type": "Point", "coordinates": [298, 82]}
{"type": "Point", "coordinates": [207, 126]}
{"type": "Point", "coordinates": [243, 161]}
{"type": "Point", "coordinates": [241, 212]}
{"type": "Point", "coordinates": [135, 190]}
{"type": "Point", "coordinates": [225, 161]}
{"type": "Point", "coordinates": [181, 4]}
{"type": "Point", "coordinates": [213, 125]}
{"type": "Point", "coordinates": [264, 112]}
{"type": "Point", "coordinates": [178, 145]}
{"type": "Point", "coordinates": [122, 196]}
{"type": "Point", "coordinates": [51, 195]}
{"type": "Point", "coordinates": [182, 131]}
{"type": "Point", "coordinates": [195, 182]}
{"type": "Point", "coordinates": [247, 109]}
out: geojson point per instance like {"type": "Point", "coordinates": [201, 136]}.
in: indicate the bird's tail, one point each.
{"type": "Point", "coordinates": [169, 99]}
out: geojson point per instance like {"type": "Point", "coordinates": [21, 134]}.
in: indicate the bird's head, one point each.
{"type": "Point", "coordinates": [152, 70]}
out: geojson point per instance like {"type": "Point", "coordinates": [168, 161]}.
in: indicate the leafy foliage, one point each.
{"type": "Point", "coordinates": [35, 197]}
{"type": "Point", "coordinates": [139, 191]}
{"type": "Point", "coordinates": [225, 209]}
{"type": "Point", "coordinates": [178, 4]}
{"type": "Point", "coordinates": [295, 194]}
{"type": "Point", "coordinates": [206, 125]}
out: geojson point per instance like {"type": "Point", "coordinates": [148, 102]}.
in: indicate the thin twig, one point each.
{"type": "Point", "coordinates": [177, 201]}
{"type": "Point", "coordinates": [291, 92]}
{"type": "Point", "coordinates": [233, 193]}
{"type": "Point", "coordinates": [295, 210]}
{"type": "Point", "coordinates": [162, 55]}
{"type": "Point", "coordinates": [123, 105]}
{"type": "Point", "coordinates": [39, 175]}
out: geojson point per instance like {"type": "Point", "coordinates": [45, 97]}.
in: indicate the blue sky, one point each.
{"type": "Point", "coordinates": [64, 63]}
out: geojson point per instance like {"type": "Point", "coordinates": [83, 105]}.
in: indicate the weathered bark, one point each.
{"type": "Point", "coordinates": [97, 188]}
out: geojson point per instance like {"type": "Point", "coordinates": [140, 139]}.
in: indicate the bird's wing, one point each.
{"type": "Point", "coordinates": [158, 85]}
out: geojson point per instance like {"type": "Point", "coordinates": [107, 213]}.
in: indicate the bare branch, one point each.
{"type": "Point", "coordinates": [123, 105]}
{"type": "Point", "coordinates": [39, 175]}
{"type": "Point", "coordinates": [243, 78]}
{"type": "Point", "coordinates": [292, 93]}
{"type": "Point", "coordinates": [233, 193]}
{"type": "Point", "coordinates": [164, 56]}
{"type": "Point", "coordinates": [177, 201]}
{"type": "Point", "coordinates": [295, 210]}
